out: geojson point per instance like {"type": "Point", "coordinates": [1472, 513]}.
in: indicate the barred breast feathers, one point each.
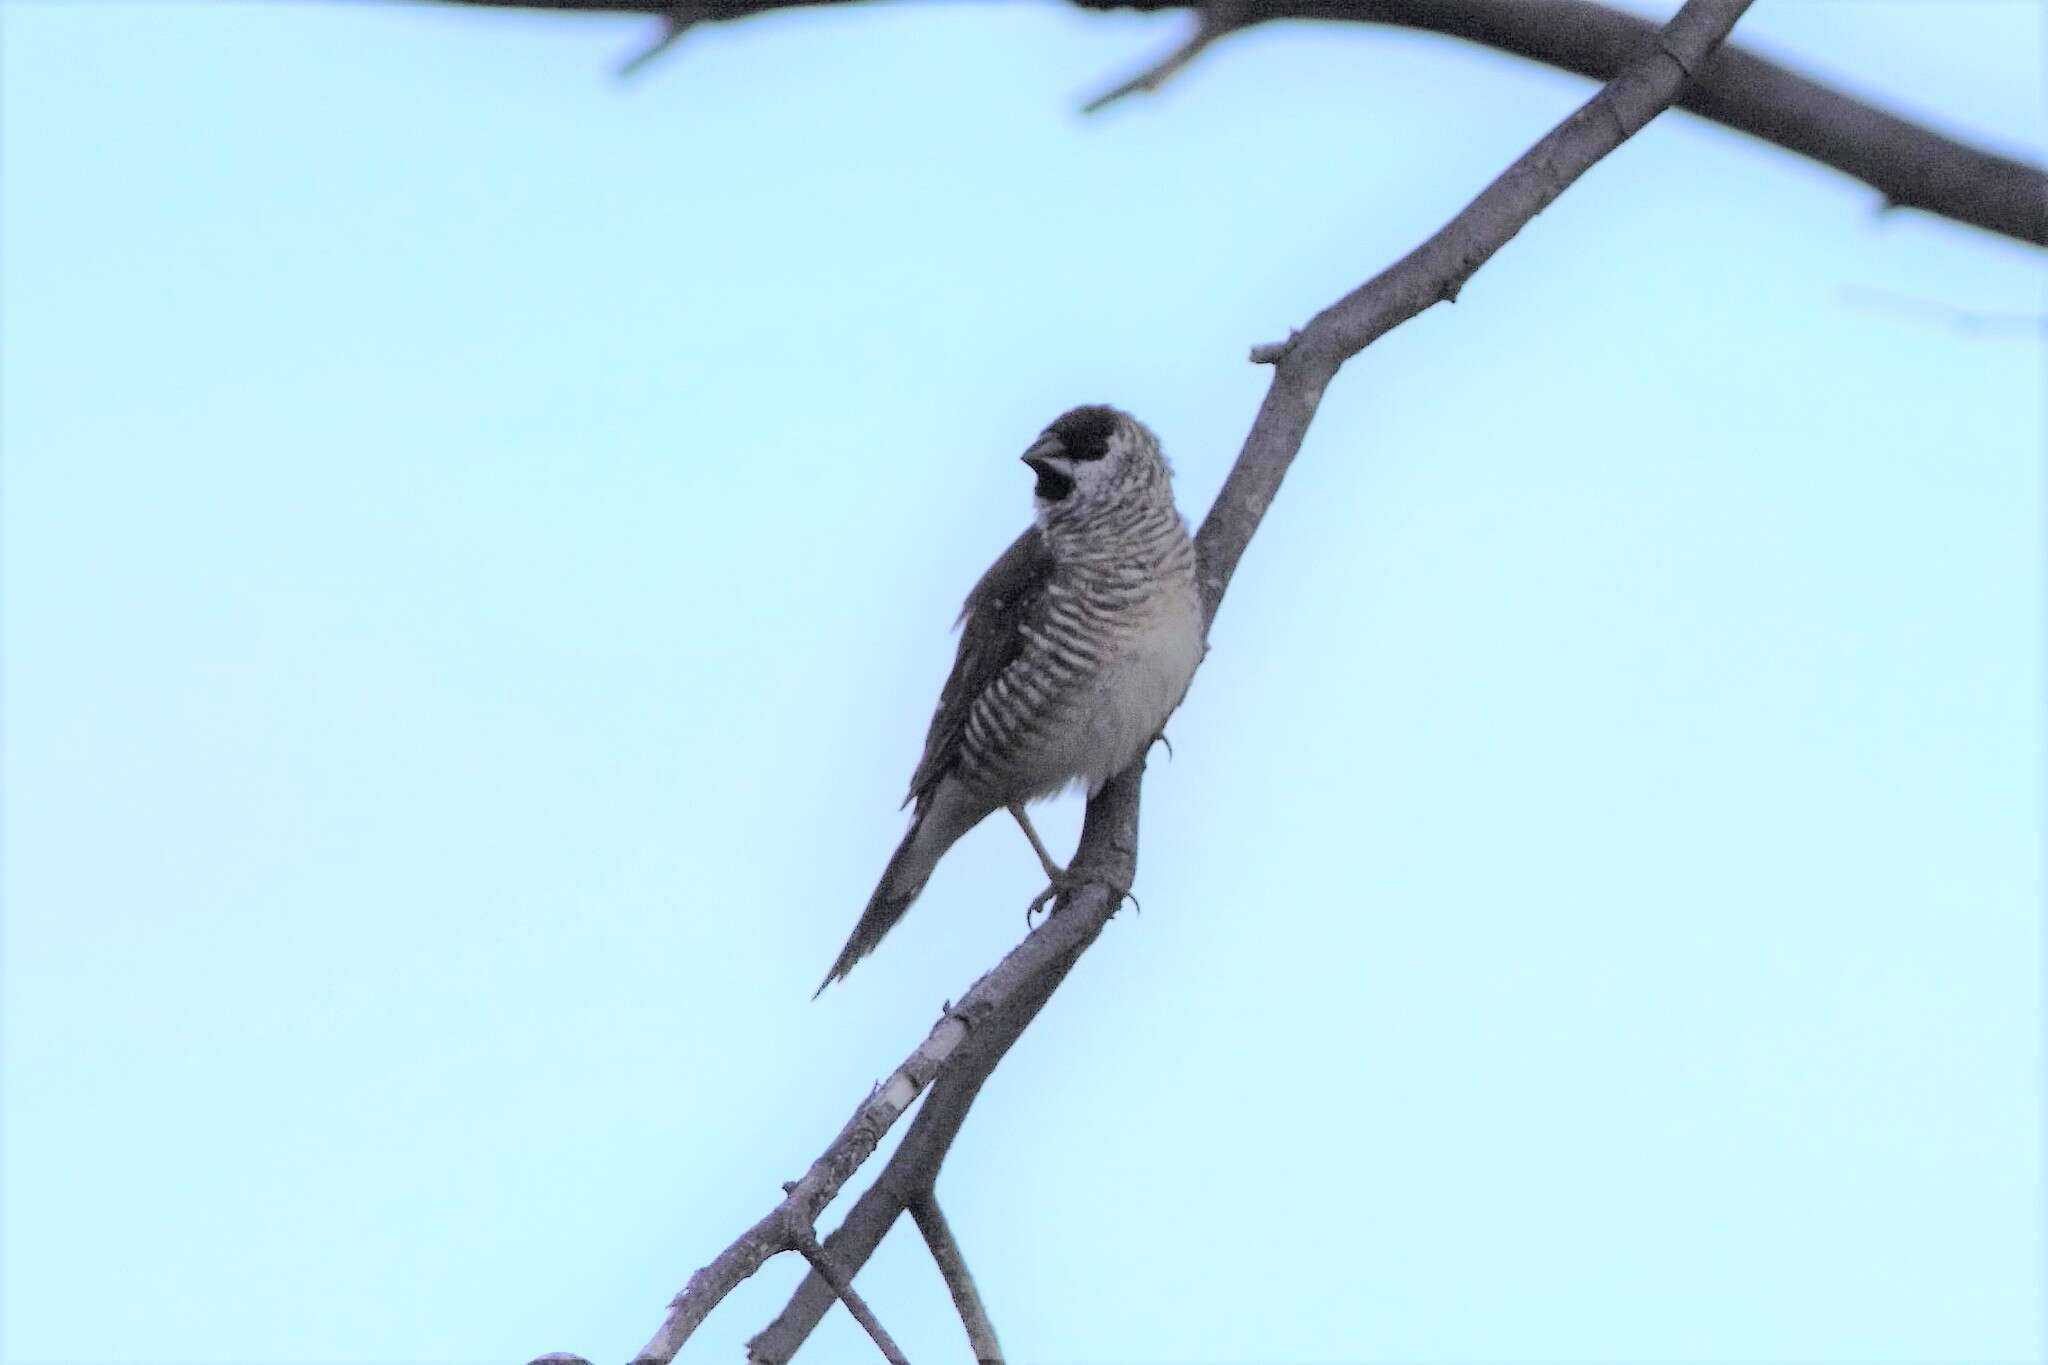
{"type": "Point", "coordinates": [1107, 653]}
{"type": "Point", "coordinates": [1075, 647]}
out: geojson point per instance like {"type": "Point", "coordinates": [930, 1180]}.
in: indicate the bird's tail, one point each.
{"type": "Point", "coordinates": [935, 829]}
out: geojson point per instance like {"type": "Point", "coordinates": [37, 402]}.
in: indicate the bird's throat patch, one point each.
{"type": "Point", "coordinates": [1052, 485]}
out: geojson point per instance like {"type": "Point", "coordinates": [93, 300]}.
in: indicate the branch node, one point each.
{"type": "Point", "coordinates": [1678, 58]}
{"type": "Point", "coordinates": [1273, 352]}
{"type": "Point", "coordinates": [1213, 20]}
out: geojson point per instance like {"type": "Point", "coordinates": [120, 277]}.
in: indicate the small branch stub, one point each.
{"type": "Point", "coordinates": [674, 24]}
{"type": "Point", "coordinates": [1273, 352]}
{"type": "Point", "coordinates": [1212, 20]}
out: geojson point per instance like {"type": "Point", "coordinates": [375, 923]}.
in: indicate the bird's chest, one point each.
{"type": "Point", "coordinates": [1151, 657]}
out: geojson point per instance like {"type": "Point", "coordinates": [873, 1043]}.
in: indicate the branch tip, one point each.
{"type": "Point", "coordinates": [1213, 19]}
{"type": "Point", "coordinates": [1273, 352]}
{"type": "Point", "coordinates": [946, 1254]}
{"type": "Point", "coordinates": [674, 24]}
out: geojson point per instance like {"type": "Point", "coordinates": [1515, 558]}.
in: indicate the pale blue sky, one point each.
{"type": "Point", "coordinates": [479, 547]}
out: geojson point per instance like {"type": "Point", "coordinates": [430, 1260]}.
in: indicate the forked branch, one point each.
{"type": "Point", "coordinates": [1213, 19]}
{"type": "Point", "coordinates": [821, 1265]}
{"type": "Point", "coordinates": [952, 1263]}
{"type": "Point", "coordinates": [971, 1038]}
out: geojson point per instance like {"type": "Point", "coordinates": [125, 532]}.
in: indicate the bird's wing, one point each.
{"type": "Point", "coordinates": [1009, 595]}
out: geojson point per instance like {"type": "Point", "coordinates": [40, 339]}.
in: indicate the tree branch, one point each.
{"type": "Point", "coordinates": [952, 1263]}
{"type": "Point", "coordinates": [1213, 19]}
{"type": "Point", "coordinates": [1908, 164]}
{"type": "Point", "coordinates": [1107, 858]}
{"type": "Point", "coordinates": [821, 1264]}
{"type": "Point", "coordinates": [995, 1012]}
{"type": "Point", "coordinates": [984, 1022]}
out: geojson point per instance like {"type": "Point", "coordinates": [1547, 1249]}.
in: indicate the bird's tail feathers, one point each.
{"type": "Point", "coordinates": [934, 827]}
{"type": "Point", "coordinates": [930, 835]}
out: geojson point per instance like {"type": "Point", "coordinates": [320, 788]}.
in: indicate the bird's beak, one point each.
{"type": "Point", "coordinates": [1048, 455]}
{"type": "Point", "coordinates": [1049, 461]}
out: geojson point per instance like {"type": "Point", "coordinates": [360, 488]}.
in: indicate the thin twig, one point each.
{"type": "Point", "coordinates": [1213, 19]}
{"type": "Point", "coordinates": [952, 1263]}
{"type": "Point", "coordinates": [679, 20]}
{"type": "Point", "coordinates": [848, 1295]}
{"type": "Point", "coordinates": [1974, 321]}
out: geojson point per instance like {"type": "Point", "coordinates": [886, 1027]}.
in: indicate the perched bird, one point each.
{"type": "Point", "coordinates": [1074, 648]}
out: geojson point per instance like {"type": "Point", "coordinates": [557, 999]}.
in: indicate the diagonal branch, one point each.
{"type": "Point", "coordinates": [1303, 367]}
{"type": "Point", "coordinates": [1909, 164]}
{"type": "Point", "coordinates": [952, 1263]}
{"type": "Point", "coordinates": [977, 1033]}
{"type": "Point", "coordinates": [821, 1264]}
{"type": "Point", "coordinates": [1107, 857]}
{"type": "Point", "coordinates": [981, 1020]}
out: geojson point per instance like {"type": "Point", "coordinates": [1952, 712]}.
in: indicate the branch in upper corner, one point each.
{"type": "Point", "coordinates": [1908, 163]}
{"type": "Point", "coordinates": [1438, 269]}
{"type": "Point", "coordinates": [1213, 19]}
{"type": "Point", "coordinates": [807, 1243]}
{"type": "Point", "coordinates": [952, 1263]}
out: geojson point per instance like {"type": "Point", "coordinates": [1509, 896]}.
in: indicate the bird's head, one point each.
{"type": "Point", "coordinates": [1095, 455]}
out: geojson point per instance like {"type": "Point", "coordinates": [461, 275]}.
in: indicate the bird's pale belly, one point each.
{"type": "Point", "coordinates": [1123, 708]}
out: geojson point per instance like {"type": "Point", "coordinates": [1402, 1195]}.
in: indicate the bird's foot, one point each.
{"type": "Point", "coordinates": [1058, 886]}
{"type": "Point", "coordinates": [1064, 883]}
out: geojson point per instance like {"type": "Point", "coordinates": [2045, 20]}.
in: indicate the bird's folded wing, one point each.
{"type": "Point", "coordinates": [1010, 595]}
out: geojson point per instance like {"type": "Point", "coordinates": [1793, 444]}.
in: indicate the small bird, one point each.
{"type": "Point", "coordinates": [1074, 648]}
